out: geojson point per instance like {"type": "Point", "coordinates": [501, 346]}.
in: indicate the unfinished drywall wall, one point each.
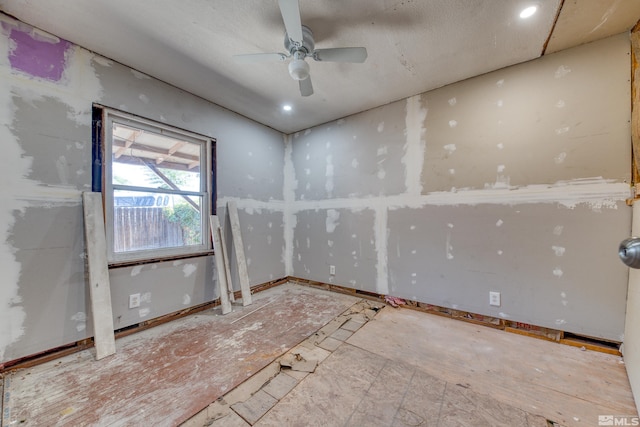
{"type": "Point", "coordinates": [47, 88]}
{"type": "Point", "coordinates": [513, 182]}
{"type": "Point", "coordinates": [631, 347]}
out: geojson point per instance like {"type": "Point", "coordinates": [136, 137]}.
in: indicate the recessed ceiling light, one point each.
{"type": "Point", "coordinates": [528, 12]}
{"type": "Point", "coordinates": [286, 107]}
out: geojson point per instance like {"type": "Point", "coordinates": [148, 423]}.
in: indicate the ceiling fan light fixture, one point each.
{"type": "Point", "coordinates": [298, 69]}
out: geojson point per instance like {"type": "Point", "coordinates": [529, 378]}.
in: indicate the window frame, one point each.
{"type": "Point", "coordinates": [207, 188]}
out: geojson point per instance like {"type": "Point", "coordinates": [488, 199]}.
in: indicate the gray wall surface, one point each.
{"type": "Point", "coordinates": [513, 182]}
{"type": "Point", "coordinates": [631, 347]}
{"type": "Point", "coordinates": [45, 130]}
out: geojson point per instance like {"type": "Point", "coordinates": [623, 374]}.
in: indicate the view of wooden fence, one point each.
{"type": "Point", "coordinates": [138, 228]}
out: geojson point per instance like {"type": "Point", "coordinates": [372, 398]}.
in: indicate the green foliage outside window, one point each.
{"type": "Point", "coordinates": [188, 218]}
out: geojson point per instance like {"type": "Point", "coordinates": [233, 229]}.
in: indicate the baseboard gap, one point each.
{"type": "Point", "coordinates": [533, 331]}
{"type": "Point", "coordinates": [71, 348]}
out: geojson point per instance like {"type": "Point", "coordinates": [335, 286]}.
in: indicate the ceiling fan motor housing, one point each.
{"type": "Point", "coordinates": [307, 47]}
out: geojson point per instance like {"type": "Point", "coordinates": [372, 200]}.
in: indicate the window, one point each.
{"type": "Point", "coordinates": [157, 186]}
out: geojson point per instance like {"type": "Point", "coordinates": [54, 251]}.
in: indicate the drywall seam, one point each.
{"type": "Point", "coordinates": [250, 205]}
{"type": "Point", "coordinates": [18, 192]}
{"type": "Point", "coordinates": [381, 234]}
{"type": "Point", "coordinates": [289, 195]}
{"type": "Point", "coordinates": [14, 168]}
{"type": "Point", "coordinates": [414, 147]}
{"type": "Point", "coordinates": [597, 193]}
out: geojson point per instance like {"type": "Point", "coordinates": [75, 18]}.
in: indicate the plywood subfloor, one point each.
{"type": "Point", "coordinates": [407, 368]}
{"type": "Point", "coordinates": [562, 383]}
{"type": "Point", "coordinates": [163, 376]}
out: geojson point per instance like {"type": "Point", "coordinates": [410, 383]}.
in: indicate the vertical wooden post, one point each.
{"type": "Point", "coordinates": [635, 101]}
{"type": "Point", "coordinates": [223, 287]}
{"type": "Point", "coordinates": [227, 270]}
{"type": "Point", "coordinates": [239, 248]}
{"type": "Point", "coordinates": [99, 288]}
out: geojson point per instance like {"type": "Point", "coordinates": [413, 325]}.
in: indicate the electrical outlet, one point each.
{"type": "Point", "coordinates": [134, 300]}
{"type": "Point", "coordinates": [494, 298]}
{"type": "Point", "coordinates": [332, 270]}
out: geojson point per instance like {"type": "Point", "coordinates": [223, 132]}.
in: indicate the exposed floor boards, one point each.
{"type": "Point", "coordinates": [399, 368]}
{"type": "Point", "coordinates": [164, 375]}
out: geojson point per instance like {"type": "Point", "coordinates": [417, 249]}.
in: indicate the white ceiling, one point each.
{"type": "Point", "coordinates": [413, 45]}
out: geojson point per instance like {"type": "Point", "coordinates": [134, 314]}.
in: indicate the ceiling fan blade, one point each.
{"type": "Point", "coordinates": [306, 88]}
{"type": "Point", "coordinates": [290, 11]}
{"type": "Point", "coordinates": [250, 58]}
{"type": "Point", "coordinates": [341, 54]}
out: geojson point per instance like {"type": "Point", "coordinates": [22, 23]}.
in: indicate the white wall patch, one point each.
{"type": "Point", "coordinates": [381, 236]}
{"type": "Point", "coordinates": [450, 148]}
{"type": "Point", "coordinates": [414, 146]}
{"type": "Point", "coordinates": [332, 220]}
{"type": "Point", "coordinates": [189, 269]}
{"type": "Point", "coordinates": [136, 270]}
{"type": "Point", "coordinates": [560, 158]}
{"type": "Point", "coordinates": [562, 71]}
{"type": "Point", "coordinates": [449, 247]}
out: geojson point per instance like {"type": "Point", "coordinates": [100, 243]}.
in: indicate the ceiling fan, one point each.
{"type": "Point", "coordinates": [298, 41]}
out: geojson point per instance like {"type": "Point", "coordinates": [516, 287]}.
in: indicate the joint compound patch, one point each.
{"type": "Point", "coordinates": [189, 269]}
{"type": "Point", "coordinates": [332, 220]}
{"type": "Point", "coordinates": [414, 147]}
{"type": "Point", "coordinates": [55, 66]}
{"type": "Point", "coordinates": [561, 71]}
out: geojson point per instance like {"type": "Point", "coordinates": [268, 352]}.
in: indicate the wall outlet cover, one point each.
{"type": "Point", "coordinates": [494, 299]}
{"type": "Point", "coordinates": [134, 300]}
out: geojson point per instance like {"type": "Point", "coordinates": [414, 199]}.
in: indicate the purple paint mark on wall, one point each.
{"type": "Point", "coordinates": [44, 59]}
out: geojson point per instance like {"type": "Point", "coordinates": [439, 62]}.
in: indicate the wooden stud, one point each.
{"type": "Point", "coordinates": [219, 256]}
{"type": "Point", "coordinates": [99, 288]}
{"type": "Point", "coordinates": [239, 248]}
